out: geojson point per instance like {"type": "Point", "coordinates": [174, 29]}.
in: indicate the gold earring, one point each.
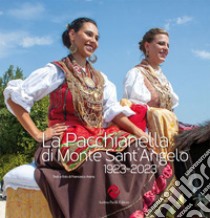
{"type": "Point", "coordinates": [147, 54]}
{"type": "Point", "coordinates": [73, 48]}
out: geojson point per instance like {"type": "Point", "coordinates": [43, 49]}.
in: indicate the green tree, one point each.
{"type": "Point", "coordinates": [16, 145]}
{"type": "Point", "coordinates": [10, 74]}
{"type": "Point", "coordinates": [9, 126]}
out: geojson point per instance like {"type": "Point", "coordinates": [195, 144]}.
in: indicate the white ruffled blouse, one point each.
{"type": "Point", "coordinates": [136, 91]}
{"type": "Point", "coordinates": [44, 80]}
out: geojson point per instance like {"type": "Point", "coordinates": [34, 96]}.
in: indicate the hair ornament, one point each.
{"type": "Point", "coordinates": [67, 26]}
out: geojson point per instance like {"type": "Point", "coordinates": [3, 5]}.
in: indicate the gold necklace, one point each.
{"type": "Point", "coordinates": [87, 78]}
{"type": "Point", "coordinates": [86, 74]}
{"type": "Point", "coordinates": [89, 82]}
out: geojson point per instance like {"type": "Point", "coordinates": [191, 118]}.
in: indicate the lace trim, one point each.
{"type": "Point", "coordinates": [87, 101]}
{"type": "Point", "coordinates": [162, 89]}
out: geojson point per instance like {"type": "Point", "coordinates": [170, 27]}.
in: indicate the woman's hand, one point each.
{"type": "Point", "coordinates": [144, 138]}
{"type": "Point", "coordinates": [24, 118]}
{"type": "Point", "coordinates": [124, 123]}
{"type": "Point", "coordinates": [55, 130]}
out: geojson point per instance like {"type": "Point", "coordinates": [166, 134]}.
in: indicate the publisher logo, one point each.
{"type": "Point", "coordinates": [113, 191]}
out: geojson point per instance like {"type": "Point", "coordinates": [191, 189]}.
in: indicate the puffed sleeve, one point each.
{"type": "Point", "coordinates": [175, 97]}
{"type": "Point", "coordinates": [134, 87]}
{"type": "Point", "coordinates": [111, 106]}
{"type": "Point", "coordinates": [39, 84]}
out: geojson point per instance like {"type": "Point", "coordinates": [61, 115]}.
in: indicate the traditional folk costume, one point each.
{"type": "Point", "coordinates": [106, 185]}
{"type": "Point", "coordinates": [146, 87]}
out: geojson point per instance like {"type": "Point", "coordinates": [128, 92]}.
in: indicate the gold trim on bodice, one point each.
{"type": "Point", "coordinates": [160, 89]}
{"type": "Point", "coordinates": [87, 89]}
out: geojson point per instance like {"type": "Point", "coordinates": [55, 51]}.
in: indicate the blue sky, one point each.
{"type": "Point", "coordinates": [30, 37]}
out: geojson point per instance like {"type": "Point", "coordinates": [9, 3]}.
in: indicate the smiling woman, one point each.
{"type": "Point", "coordinates": [147, 87]}
{"type": "Point", "coordinates": [85, 121]}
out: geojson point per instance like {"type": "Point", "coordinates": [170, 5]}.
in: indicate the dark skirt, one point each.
{"type": "Point", "coordinates": [115, 185]}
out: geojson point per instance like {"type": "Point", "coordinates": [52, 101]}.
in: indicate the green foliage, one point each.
{"type": "Point", "coordinates": [9, 161]}
{"type": "Point", "coordinates": [10, 74]}
{"type": "Point", "coordinates": [16, 145]}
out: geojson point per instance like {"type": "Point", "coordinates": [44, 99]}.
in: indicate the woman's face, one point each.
{"type": "Point", "coordinates": [158, 49]}
{"type": "Point", "coordinates": [85, 40]}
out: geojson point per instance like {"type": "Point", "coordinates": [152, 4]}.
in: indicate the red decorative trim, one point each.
{"type": "Point", "coordinates": [149, 197]}
{"type": "Point", "coordinates": [137, 214]}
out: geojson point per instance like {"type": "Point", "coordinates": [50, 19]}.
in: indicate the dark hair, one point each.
{"type": "Point", "coordinates": [149, 37]}
{"type": "Point", "coordinates": [75, 25]}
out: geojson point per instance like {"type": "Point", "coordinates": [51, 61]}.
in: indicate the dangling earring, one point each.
{"type": "Point", "coordinates": [93, 58]}
{"type": "Point", "coordinates": [147, 54]}
{"type": "Point", "coordinates": [73, 48]}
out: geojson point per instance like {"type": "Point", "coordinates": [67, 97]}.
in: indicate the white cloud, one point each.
{"type": "Point", "coordinates": [8, 41]}
{"type": "Point", "coordinates": [167, 25]}
{"type": "Point", "coordinates": [27, 11]}
{"type": "Point", "coordinates": [13, 42]}
{"type": "Point", "coordinates": [177, 21]}
{"type": "Point", "coordinates": [32, 41]}
{"type": "Point", "coordinates": [183, 20]}
{"type": "Point", "coordinates": [202, 54]}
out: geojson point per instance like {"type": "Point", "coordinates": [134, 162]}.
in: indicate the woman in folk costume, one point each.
{"type": "Point", "coordinates": [95, 169]}
{"type": "Point", "coordinates": [150, 94]}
